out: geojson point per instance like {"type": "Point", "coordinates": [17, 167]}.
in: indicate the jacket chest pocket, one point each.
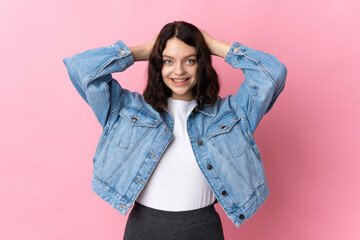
{"type": "Point", "coordinates": [132, 128]}
{"type": "Point", "coordinates": [226, 136]}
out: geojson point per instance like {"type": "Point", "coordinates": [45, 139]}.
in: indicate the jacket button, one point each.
{"type": "Point", "coordinates": [209, 166]}
{"type": "Point", "coordinates": [224, 193]}
{"type": "Point", "coordinates": [200, 143]}
{"type": "Point", "coordinates": [134, 119]}
{"type": "Point", "coordinates": [236, 49]}
{"type": "Point", "coordinates": [241, 216]}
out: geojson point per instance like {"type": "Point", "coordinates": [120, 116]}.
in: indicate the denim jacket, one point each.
{"type": "Point", "coordinates": [135, 136]}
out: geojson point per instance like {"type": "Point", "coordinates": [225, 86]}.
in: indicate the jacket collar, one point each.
{"type": "Point", "coordinates": [207, 110]}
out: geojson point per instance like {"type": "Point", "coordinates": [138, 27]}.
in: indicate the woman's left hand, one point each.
{"type": "Point", "coordinates": [208, 39]}
{"type": "Point", "coordinates": [217, 47]}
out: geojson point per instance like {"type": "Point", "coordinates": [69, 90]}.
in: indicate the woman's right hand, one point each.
{"type": "Point", "coordinates": [142, 52]}
{"type": "Point", "coordinates": [150, 44]}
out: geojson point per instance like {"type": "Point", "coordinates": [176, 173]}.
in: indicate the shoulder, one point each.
{"type": "Point", "coordinates": [135, 100]}
{"type": "Point", "coordinates": [222, 104]}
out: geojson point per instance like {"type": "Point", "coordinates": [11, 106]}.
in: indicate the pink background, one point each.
{"type": "Point", "coordinates": [309, 141]}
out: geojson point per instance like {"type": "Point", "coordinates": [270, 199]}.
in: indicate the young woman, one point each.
{"type": "Point", "coordinates": [179, 148]}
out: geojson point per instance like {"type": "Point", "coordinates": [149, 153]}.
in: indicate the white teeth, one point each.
{"type": "Point", "coordinates": [179, 80]}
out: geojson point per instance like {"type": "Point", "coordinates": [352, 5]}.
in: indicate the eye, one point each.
{"type": "Point", "coordinates": [191, 61]}
{"type": "Point", "coordinates": [167, 61]}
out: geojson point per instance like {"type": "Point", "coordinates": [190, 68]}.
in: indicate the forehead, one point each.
{"type": "Point", "coordinates": [176, 48]}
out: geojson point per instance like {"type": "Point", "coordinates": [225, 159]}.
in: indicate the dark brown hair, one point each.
{"type": "Point", "coordinates": [207, 86]}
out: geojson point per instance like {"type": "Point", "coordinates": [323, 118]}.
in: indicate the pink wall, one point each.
{"type": "Point", "coordinates": [309, 141]}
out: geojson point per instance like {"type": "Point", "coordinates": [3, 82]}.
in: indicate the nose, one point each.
{"type": "Point", "coordinates": [179, 69]}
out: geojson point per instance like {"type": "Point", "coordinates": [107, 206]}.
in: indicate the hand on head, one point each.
{"type": "Point", "coordinates": [208, 39]}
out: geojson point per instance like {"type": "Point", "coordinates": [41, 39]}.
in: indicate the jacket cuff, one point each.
{"type": "Point", "coordinates": [122, 51]}
{"type": "Point", "coordinates": [235, 50]}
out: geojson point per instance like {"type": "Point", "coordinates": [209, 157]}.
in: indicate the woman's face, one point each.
{"type": "Point", "coordinates": [179, 68]}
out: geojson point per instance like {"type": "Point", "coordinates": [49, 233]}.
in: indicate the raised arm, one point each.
{"type": "Point", "coordinates": [217, 47]}
{"type": "Point", "coordinates": [142, 52]}
{"type": "Point", "coordinates": [90, 73]}
{"type": "Point", "coordinates": [264, 74]}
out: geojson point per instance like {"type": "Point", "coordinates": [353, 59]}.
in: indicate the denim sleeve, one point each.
{"type": "Point", "coordinates": [90, 73]}
{"type": "Point", "coordinates": [264, 81]}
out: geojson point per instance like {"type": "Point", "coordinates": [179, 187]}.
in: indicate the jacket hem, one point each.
{"type": "Point", "coordinates": [110, 195]}
{"type": "Point", "coordinates": [248, 209]}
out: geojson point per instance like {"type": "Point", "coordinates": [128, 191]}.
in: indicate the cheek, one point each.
{"type": "Point", "coordinates": [192, 70]}
{"type": "Point", "coordinates": [165, 72]}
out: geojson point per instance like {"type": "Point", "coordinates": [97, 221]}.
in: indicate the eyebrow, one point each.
{"type": "Point", "coordinates": [184, 57]}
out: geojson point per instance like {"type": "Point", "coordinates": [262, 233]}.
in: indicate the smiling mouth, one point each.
{"type": "Point", "coordinates": [179, 79]}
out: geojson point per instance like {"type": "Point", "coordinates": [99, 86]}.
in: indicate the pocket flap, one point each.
{"type": "Point", "coordinates": [138, 118]}
{"type": "Point", "coordinates": [224, 124]}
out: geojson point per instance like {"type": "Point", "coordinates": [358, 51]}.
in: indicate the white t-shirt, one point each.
{"type": "Point", "coordinates": [177, 183]}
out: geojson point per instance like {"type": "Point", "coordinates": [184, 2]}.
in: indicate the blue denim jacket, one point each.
{"type": "Point", "coordinates": [135, 136]}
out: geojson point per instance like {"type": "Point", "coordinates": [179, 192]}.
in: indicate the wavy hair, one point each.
{"type": "Point", "coordinates": [207, 85]}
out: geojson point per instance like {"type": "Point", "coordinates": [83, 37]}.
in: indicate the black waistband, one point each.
{"type": "Point", "coordinates": [203, 212]}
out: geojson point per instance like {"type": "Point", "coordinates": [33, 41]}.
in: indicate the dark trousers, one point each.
{"type": "Point", "coordinates": [146, 223]}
